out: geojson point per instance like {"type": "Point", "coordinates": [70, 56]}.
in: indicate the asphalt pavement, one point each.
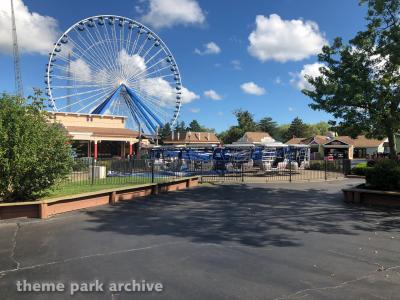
{"type": "Point", "coordinates": [250, 241]}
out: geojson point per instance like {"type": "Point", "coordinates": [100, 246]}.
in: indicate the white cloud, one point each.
{"type": "Point", "coordinates": [81, 71]}
{"type": "Point", "coordinates": [236, 64]}
{"type": "Point", "coordinates": [160, 89]}
{"type": "Point", "coordinates": [298, 79]}
{"type": "Point", "coordinates": [220, 113]}
{"type": "Point", "coordinates": [130, 64]}
{"type": "Point", "coordinates": [167, 13]}
{"type": "Point", "coordinates": [209, 48]}
{"type": "Point", "coordinates": [284, 40]}
{"type": "Point", "coordinates": [212, 95]}
{"type": "Point", "coordinates": [252, 89]}
{"type": "Point", "coordinates": [290, 108]}
{"type": "Point", "coordinates": [194, 110]}
{"type": "Point", "coordinates": [36, 33]}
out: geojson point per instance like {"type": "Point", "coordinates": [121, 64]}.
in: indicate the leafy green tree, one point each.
{"type": "Point", "coordinates": [281, 131]}
{"type": "Point", "coordinates": [359, 84]}
{"type": "Point", "coordinates": [34, 153]}
{"type": "Point", "coordinates": [268, 125]}
{"type": "Point", "coordinates": [231, 135]}
{"type": "Point", "coordinates": [297, 129]}
{"type": "Point", "coordinates": [245, 120]}
{"type": "Point", "coordinates": [320, 128]}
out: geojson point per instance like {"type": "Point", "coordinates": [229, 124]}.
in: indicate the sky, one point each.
{"type": "Point", "coordinates": [249, 54]}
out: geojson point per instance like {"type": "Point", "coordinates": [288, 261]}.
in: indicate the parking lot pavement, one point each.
{"type": "Point", "coordinates": [252, 241]}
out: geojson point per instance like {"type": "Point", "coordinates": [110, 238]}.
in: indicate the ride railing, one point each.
{"type": "Point", "coordinates": [258, 171]}
{"type": "Point", "coordinates": [110, 172]}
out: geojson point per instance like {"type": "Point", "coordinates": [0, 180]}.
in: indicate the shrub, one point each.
{"type": "Point", "coordinates": [385, 175]}
{"type": "Point", "coordinates": [360, 169]}
{"type": "Point", "coordinates": [34, 154]}
{"type": "Point", "coordinates": [317, 165]}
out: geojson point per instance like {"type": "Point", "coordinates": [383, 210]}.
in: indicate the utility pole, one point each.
{"type": "Point", "coordinates": [19, 89]}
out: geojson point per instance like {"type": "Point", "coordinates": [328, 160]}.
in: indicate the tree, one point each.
{"type": "Point", "coordinates": [245, 120]}
{"type": "Point", "coordinates": [34, 154]}
{"type": "Point", "coordinates": [359, 84]}
{"type": "Point", "coordinates": [297, 129]}
{"type": "Point", "coordinates": [165, 131]}
{"type": "Point", "coordinates": [281, 131]}
{"type": "Point", "coordinates": [320, 128]}
{"type": "Point", "coordinates": [180, 127]}
{"type": "Point", "coordinates": [268, 125]}
{"type": "Point", "coordinates": [194, 126]}
{"type": "Point", "coordinates": [231, 135]}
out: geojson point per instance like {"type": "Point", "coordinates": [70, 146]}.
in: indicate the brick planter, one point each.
{"type": "Point", "coordinates": [371, 197]}
{"type": "Point", "coordinates": [49, 207]}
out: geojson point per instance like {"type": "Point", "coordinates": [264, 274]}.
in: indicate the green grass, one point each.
{"type": "Point", "coordinates": [71, 188]}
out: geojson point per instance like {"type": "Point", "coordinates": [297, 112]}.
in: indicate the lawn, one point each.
{"type": "Point", "coordinates": [85, 186]}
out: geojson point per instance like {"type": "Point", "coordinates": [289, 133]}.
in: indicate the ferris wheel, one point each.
{"type": "Point", "coordinates": [113, 65]}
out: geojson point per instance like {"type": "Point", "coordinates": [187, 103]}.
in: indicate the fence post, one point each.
{"type": "Point", "coordinates": [290, 170]}
{"type": "Point", "coordinates": [242, 172]}
{"type": "Point", "coordinates": [326, 169]}
{"type": "Point", "coordinates": [152, 170]}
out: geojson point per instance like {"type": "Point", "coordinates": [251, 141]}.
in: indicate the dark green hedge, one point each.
{"type": "Point", "coordinates": [384, 175]}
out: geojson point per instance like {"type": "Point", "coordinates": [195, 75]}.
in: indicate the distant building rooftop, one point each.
{"type": "Point", "coordinates": [191, 137]}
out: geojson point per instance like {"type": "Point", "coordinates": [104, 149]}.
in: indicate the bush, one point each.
{"type": "Point", "coordinates": [34, 154]}
{"type": "Point", "coordinates": [385, 175]}
{"type": "Point", "coordinates": [360, 169]}
{"type": "Point", "coordinates": [317, 165]}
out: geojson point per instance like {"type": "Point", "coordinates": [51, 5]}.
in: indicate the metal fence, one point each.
{"type": "Point", "coordinates": [226, 171]}
{"type": "Point", "coordinates": [86, 171]}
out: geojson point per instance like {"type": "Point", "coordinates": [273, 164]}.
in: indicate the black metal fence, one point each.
{"type": "Point", "coordinates": [86, 171]}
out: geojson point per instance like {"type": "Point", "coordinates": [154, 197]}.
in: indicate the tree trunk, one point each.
{"type": "Point", "coordinates": [392, 145]}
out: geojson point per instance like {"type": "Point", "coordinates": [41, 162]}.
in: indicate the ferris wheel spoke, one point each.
{"type": "Point", "coordinates": [101, 49]}
{"type": "Point", "coordinates": [143, 78]}
{"type": "Point", "coordinates": [94, 103]}
{"type": "Point", "coordinates": [154, 55]}
{"type": "Point", "coordinates": [142, 46]}
{"type": "Point", "coordinates": [117, 52]}
{"type": "Point", "coordinates": [144, 71]}
{"type": "Point", "coordinates": [108, 46]}
{"type": "Point", "coordinates": [94, 58]}
{"type": "Point", "coordinates": [85, 99]}
{"type": "Point", "coordinates": [146, 75]}
{"type": "Point", "coordinates": [135, 42]}
{"type": "Point", "coordinates": [128, 41]}
{"type": "Point", "coordinates": [97, 51]}
{"type": "Point", "coordinates": [121, 35]}
{"type": "Point", "coordinates": [75, 86]}
{"type": "Point", "coordinates": [95, 66]}
{"type": "Point", "coordinates": [78, 94]}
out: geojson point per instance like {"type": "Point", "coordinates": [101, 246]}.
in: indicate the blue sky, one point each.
{"type": "Point", "coordinates": [272, 75]}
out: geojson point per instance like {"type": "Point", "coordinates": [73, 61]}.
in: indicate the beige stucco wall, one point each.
{"type": "Point", "coordinates": [89, 121]}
